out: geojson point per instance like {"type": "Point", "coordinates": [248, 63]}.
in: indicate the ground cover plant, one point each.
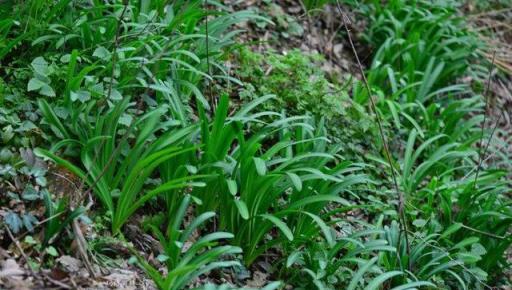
{"type": "Point", "coordinates": [153, 144]}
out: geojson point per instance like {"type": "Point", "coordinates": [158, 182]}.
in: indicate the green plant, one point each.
{"type": "Point", "coordinates": [28, 189]}
{"type": "Point", "coordinates": [103, 51]}
{"type": "Point", "coordinates": [302, 88]}
{"type": "Point", "coordinates": [478, 208]}
{"type": "Point", "coordinates": [94, 57]}
{"type": "Point", "coordinates": [201, 257]}
{"type": "Point", "coordinates": [441, 187]}
{"type": "Point", "coordinates": [457, 119]}
{"type": "Point", "coordinates": [117, 167]}
{"type": "Point", "coordinates": [58, 216]}
{"type": "Point", "coordinates": [462, 198]}
{"type": "Point", "coordinates": [421, 42]}
{"type": "Point", "coordinates": [321, 265]}
{"type": "Point", "coordinates": [284, 168]}
{"type": "Point", "coordinates": [422, 48]}
{"type": "Point", "coordinates": [438, 164]}
{"type": "Point", "coordinates": [454, 266]}
{"type": "Point", "coordinates": [292, 77]}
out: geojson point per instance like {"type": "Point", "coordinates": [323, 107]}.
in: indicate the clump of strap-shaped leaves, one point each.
{"type": "Point", "coordinates": [203, 255]}
{"type": "Point", "coordinates": [116, 168]}
{"type": "Point", "coordinates": [281, 176]}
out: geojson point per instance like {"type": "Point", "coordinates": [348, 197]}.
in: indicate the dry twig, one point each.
{"type": "Point", "coordinates": [373, 107]}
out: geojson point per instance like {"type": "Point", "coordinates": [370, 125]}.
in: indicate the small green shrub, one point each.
{"type": "Point", "coordinates": [301, 87]}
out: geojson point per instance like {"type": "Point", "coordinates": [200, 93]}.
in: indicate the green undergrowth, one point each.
{"type": "Point", "coordinates": [285, 167]}
{"type": "Point", "coordinates": [302, 87]}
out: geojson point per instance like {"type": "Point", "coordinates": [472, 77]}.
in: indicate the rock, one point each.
{"type": "Point", "coordinates": [69, 264]}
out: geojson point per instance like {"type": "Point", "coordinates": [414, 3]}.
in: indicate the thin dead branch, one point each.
{"type": "Point", "coordinates": [373, 107]}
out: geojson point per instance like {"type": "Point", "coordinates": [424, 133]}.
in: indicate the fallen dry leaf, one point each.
{"type": "Point", "coordinates": [259, 279]}
{"type": "Point", "coordinates": [11, 270]}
